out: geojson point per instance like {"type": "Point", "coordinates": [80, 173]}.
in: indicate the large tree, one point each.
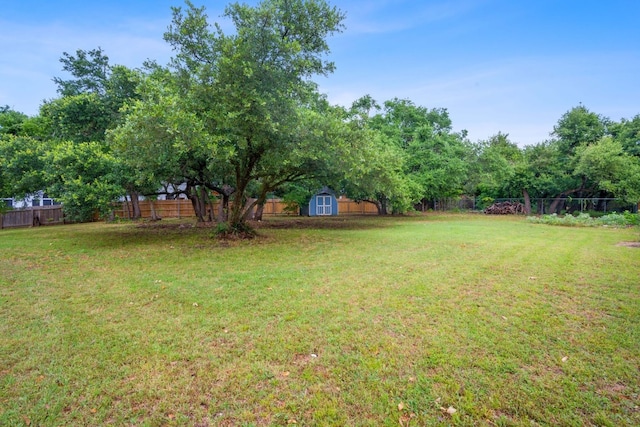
{"type": "Point", "coordinates": [493, 168]}
{"type": "Point", "coordinates": [90, 103]}
{"type": "Point", "coordinates": [576, 129]}
{"type": "Point", "coordinates": [418, 158]}
{"type": "Point", "coordinates": [21, 154]}
{"type": "Point", "coordinates": [247, 87]}
{"type": "Point", "coordinates": [377, 172]}
{"type": "Point", "coordinates": [610, 169]}
{"type": "Point", "coordinates": [168, 146]}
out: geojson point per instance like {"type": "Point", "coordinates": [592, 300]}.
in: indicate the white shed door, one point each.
{"type": "Point", "coordinates": [323, 205]}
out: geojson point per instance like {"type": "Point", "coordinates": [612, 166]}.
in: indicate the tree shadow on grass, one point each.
{"type": "Point", "coordinates": [183, 234]}
{"type": "Point", "coordinates": [351, 222]}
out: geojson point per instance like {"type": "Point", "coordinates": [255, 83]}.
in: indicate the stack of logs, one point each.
{"type": "Point", "coordinates": [505, 208]}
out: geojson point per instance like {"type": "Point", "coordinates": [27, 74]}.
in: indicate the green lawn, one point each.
{"type": "Point", "coordinates": [343, 321]}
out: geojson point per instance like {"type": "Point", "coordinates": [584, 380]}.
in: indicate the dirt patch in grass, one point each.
{"type": "Point", "coordinates": [352, 222]}
{"type": "Point", "coordinates": [160, 225]}
{"type": "Point", "coordinates": [630, 244]}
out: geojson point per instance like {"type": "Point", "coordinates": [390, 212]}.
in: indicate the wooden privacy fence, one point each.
{"type": "Point", "coordinates": [349, 207]}
{"type": "Point", "coordinates": [51, 215]}
{"type": "Point", "coordinates": [43, 215]}
{"type": "Point", "coordinates": [183, 208]}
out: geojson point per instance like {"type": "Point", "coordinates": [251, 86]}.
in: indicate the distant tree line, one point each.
{"type": "Point", "coordinates": [238, 115]}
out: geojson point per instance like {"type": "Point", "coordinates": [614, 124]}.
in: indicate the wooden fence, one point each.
{"type": "Point", "coordinates": [43, 215]}
{"type": "Point", "coordinates": [349, 207]}
{"type": "Point", "coordinates": [184, 209]}
{"type": "Point", "coordinates": [51, 215]}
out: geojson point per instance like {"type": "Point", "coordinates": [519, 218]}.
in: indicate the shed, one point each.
{"type": "Point", "coordinates": [323, 203]}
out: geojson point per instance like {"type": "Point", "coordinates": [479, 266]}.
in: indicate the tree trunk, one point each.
{"type": "Point", "coordinates": [262, 198]}
{"type": "Point", "coordinates": [223, 210]}
{"type": "Point", "coordinates": [259, 211]}
{"type": "Point", "coordinates": [192, 194]}
{"type": "Point", "coordinates": [126, 209]}
{"type": "Point", "coordinates": [211, 216]}
{"type": "Point", "coordinates": [207, 214]}
{"type": "Point", "coordinates": [553, 208]}
{"type": "Point", "coordinates": [135, 204]}
{"type": "Point", "coordinates": [154, 215]}
{"type": "Point", "coordinates": [236, 215]}
{"type": "Point", "coordinates": [527, 201]}
{"type": "Point", "coordinates": [247, 211]}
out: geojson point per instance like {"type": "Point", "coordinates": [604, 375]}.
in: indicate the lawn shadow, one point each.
{"type": "Point", "coordinates": [189, 233]}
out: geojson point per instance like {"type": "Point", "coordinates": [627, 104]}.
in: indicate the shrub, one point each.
{"type": "Point", "coordinates": [225, 230]}
{"type": "Point", "coordinates": [585, 220]}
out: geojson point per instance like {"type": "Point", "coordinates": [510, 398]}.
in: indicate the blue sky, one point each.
{"type": "Point", "coordinates": [512, 66]}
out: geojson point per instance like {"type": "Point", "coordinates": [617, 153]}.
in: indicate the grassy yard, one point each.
{"type": "Point", "coordinates": [429, 320]}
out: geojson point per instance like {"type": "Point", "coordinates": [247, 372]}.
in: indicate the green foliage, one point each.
{"type": "Point", "coordinates": [89, 69]}
{"type": "Point", "coordinates": [627, 132]}
{"type": "Point", "coordinates": [226, 230]}
{"type": "Point", "coordinates": [162, 142]}
{"type": "Point", "coordinates": [80, 118]}
{"type": "Point", "coordinates": [11, 121]}
{"type": "Point", "coordinates": [610, 168]}
{"type": "Point", "coordinates": [82, 177]}
{"type": "Point", "coordinates": [4, 208]}
{"type": "Point", "coordinates": [579, 127]}
{"type": "Point", "coordinates": [585, 220]}
{"type": "Point", "coordinates": [247, 89]}
{"type": "Point", "coordinates": [22, 166]}
{"type": "Point", "coordinates": [296, 196]}
{"type": "Point", "coordinates": [631, 218]}
{"type": "Point", "coordinates": [412, 155]}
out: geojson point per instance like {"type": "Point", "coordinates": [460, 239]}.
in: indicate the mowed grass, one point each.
{"type": "Point", "coordinates": [343, 321]}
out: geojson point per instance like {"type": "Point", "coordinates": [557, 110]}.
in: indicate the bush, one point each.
{"type": "Point", "coordinates": [583, 219]}
{"type": "Point", "coordinates": [632, 219]}
{"type": "Point", "coordinates": [613, 220]}
{"type": "Point", "coordinates": [224, 230]}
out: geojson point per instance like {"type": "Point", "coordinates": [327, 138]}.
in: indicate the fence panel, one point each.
{"type": "Point", "coordinates": [350, 207]}
{"type": "Point", "coordinates": [184, 209]}
{"type": "Point", "coordinates": [43, 215]}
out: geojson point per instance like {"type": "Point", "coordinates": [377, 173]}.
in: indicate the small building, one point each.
{"type": "Point", "coordinates": [35, 200]}
{"type": "Point", "coordinates": [323, 203]}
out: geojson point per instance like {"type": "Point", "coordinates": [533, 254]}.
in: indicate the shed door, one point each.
{"type": "Point", "coordinates": [323, 205]}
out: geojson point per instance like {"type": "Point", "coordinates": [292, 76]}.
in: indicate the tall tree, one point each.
{"type": "Point", "coordinates": [610, 169]}
{"type": "Point", "coordinates": [377, 173]}
{"type": "Point", "coordinates": [627, 132]}
{"type": "Point", "coordinates": [577, 127]}
{"type": "Point", "coordinates": [249, 85]}
{"type": "Point", "coordinates": [22, 166]}
{"type": "Point", "coordinates": [90, 103]}
{"type": "Point", "coordinates": [11, 121]}
{"type": "Point", "coordinates": [433, 157]}
{"type": "Point", "coordinates": [82, 177]}
{"type": "Point", "coordinates": [168, 146]}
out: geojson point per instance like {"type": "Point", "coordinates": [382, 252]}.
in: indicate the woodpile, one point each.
{"type": "Point", "coordinates": [505, 208]}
